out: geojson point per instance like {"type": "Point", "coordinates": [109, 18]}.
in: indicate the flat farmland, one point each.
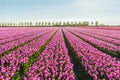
{"type": "Point", "coordinates": [60, 53]}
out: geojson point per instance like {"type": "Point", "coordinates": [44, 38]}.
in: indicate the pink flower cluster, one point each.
{"type": "Point", "coordinates": [106, 33]}
{"type": "Point", "coordinates": [10, 63]}
{"type": "Point", "coordinates": [53, 63]}
{"type": "Point", "coordinates": [100, 37]}
{"type": "Point", "coordinates": [99, 43]}
{"type": "Point", "coordinates": [97, 64]}
{"type": "Point", "coordinates": [13, 32]}
{"type": "Point", "coordinates": [14, 43]}
{"type": "Point", "coordinates": [115, 28]}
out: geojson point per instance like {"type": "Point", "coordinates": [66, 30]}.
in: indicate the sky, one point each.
{"type": "Point", "coordinates": [104, 11]}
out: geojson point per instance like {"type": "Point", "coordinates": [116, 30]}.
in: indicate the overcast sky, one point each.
{"type": "Point", "coordinates": [105, 11]}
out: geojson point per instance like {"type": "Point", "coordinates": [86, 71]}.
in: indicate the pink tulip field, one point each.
{"type": "Point", "coordinates": [60, 53]}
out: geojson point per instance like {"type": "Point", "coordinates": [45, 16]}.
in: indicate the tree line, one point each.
{"type": "Point", "coordinates": [66, 23]}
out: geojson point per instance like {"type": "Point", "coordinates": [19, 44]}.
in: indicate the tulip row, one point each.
{"type": "Point", "coordinates": [16, 43]}
{"type": "Point", "coordinates": [53, 63]}
{"type": "Point", "coordinates": [6, 33]}
{"type": "Point", "coordinates": [99, 65]}
{"type": "Point", "coordinates": [11, 63]}
{"type": "Point", "coordinates": [108, 28]}
{"type": "Point", "coordinates": [106, 33]}
{"type": "Point", "coordinates": [99, 43]}
{"type": "Point", "coordinates": [103, 38]}
{"type": "Point", "coordinates": [10, 39]}
{"type": "Point", "coordinates": [106, 47]}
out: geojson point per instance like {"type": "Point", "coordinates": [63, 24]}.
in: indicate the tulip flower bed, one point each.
{"type": "Point", "coordinates": [106, 33]}
{"type": "Point", "coordinates": [53, 63]}
{"type": "Point", "coordinates": [52, 53]}
{"type": "Point", "coordinates": [14, 32]}
{"type": "Point", "coordinates": [11, 63]}
{"type": "Point", "coordinates": [99, 65]}
{"type": "Point", "coordinates": [103, 38]}
{"type": "Point", "coordinates": [100, 43]}
{"type": "Point", "coordinates": [117, 28]}
{"type": "Point", "coordinates": [107, 47]}
{"type": "Point", "coordinates": [19, 36]}
{"type": "Point", "coordinates": [16, 43]}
